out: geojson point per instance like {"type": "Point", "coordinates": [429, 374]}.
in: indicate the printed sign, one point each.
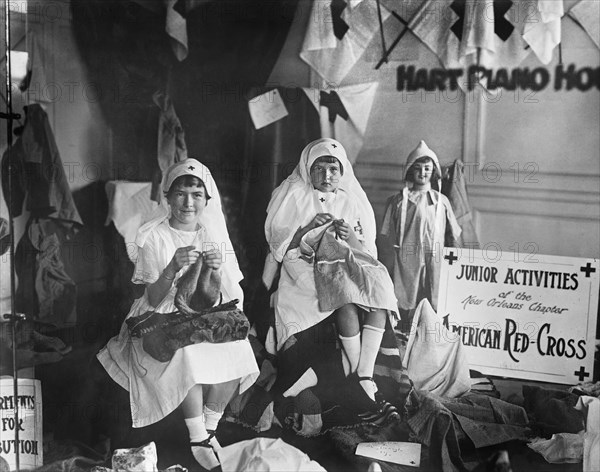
{"type": "Point", "coordinates": [533, 319]}
{"type": "Point", "coordinates": [29, 424]}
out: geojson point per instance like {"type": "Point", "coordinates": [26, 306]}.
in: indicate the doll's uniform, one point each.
{"type": "Point", "coordinates": [417, 258]}
{"type": "Point", "coordinates": [416, 223]}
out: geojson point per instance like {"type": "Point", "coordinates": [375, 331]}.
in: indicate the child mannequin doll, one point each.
{"type": "Point", "coordinates": [417, 222]}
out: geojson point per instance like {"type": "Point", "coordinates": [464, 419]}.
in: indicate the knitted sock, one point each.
{"type": "Point", "coordinates": [351, 345]}
{"type": "Point", "coordinates": [307, 380]}
{"type": "Point", "coordinates": [211, 421]}
{"type": "Point", "coordinates": [345, 363]}
{"type": "Point", "coordinates": [196, 428]}
{"type": "Point", "coordinates": [371, 340]}
{"type": "Point", "coordinates": [211, 418]}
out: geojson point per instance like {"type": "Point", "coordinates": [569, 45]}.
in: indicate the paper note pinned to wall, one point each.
{"type": "Point", "coordinates": [267, 108]}
{"type": "Point", "coordinates": [403, 453]}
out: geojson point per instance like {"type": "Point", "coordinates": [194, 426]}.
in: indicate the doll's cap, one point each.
{"type": "Point", "coordinates": [422, 150]}
{"type": "Point", "coordinates": [326, 147]}
{"type": "Point", "coordinates": [187, 167]}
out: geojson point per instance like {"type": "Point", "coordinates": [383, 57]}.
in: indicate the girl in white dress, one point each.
{"type": "Point", "coordinates": [323, 190]}
{"type": "Point", "coordinates": [201, 378]}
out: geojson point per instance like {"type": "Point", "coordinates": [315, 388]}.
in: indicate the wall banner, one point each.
{"type": "Point", "coordinates": [531, 317]}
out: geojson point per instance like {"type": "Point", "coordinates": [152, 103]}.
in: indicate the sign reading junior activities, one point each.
{"type": "Point", "coordinates": [532, 319]}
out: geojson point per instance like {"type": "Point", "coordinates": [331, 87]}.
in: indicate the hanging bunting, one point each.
{"type": "Point", "coordinates": [542, 32]}
{"type": "Point", "coordinates": [587, 14]}
{"type": "Point", "coordinates": [337, 35]}
{"type": "Point", "coordinates": [176, 28]}
{"type": "Point", "coordinates": [463, 33]}
{"type": "Point", "coordinates": [344, 113]}
{"type": "Point", "coordinates": [175, 25]}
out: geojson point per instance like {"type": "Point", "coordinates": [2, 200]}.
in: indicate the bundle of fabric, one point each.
{"type": "Point", "coordinates": [45, 291]}
{"type": "Point", "coordinates": [591, 389]}
{"type": "Point", "coordinates": [164, 333]}
{"type": "Point", "coordinates": [333, 401]}
{"type": "Point", "coordinates": [265, 455]}
{"type": "Point", "coordinates": [435, 359]}
{"type": "Point", "coordinates": [553, 411]}
{"type": "Point", "coordinates": [448, 425]}
{"type": "Point", "coordinates": [454, 186]}
{"type": "Point", "coordinates": [194, 322]}
{"type": "Point", "coordinates": [344, 274]}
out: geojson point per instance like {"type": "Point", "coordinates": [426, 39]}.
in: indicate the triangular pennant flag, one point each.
{"type": "Point", "coordinates": [470, 32]}
{"type": "Point", "coordinates": [354, 102]}
{"type": "Point", "coordinates": [176, 28]}
{"type": "Point", "coordinates": [542, 32]}
{"type": "Point", "coordinates": [338, 34]}
{"type": "Point", "coordinates": [442, 33]}
{"type": "Point", "coordinates": [587, 14]}
{"type": "Point", "coordinates": [175, 25]}
{"type": "Point", "coordinates": [495, 34]}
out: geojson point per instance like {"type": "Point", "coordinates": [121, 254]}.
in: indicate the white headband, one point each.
{"type": "Point", "coordinates": [188, 167]}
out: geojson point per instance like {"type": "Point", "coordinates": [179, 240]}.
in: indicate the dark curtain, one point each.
{"type": "Point", "coordinates": [270, 154]}
{"type": "Point", "coordinates": [232, 49]}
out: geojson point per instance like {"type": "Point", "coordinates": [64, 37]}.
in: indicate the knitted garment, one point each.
{"type": "Point", "coordinates": [164, 333]}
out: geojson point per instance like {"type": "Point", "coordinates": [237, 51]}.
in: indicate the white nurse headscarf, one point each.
{"type": "Point", "coordinates": [213, 218]}
{"type": "Point", "coordinates": [293, 204]}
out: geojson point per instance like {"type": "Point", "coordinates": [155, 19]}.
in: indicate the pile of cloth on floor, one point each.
{"type": "Point", "coordinates": [331, 402]}
{"type": "Point", "coordinates": [566, 423]}
{"type": "Point", "coordinates": [443, 413]}
{"type": "Point", "coordinates": [431, 386]}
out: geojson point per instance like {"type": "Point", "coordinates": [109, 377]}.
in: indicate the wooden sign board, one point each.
{"type": "Point", "coordinates": [30, 444]}
{"type": "Point", "coordinates": [530, 317]}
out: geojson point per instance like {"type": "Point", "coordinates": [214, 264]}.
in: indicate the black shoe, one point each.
{"type": "Point", "coordinates": [380, 410]}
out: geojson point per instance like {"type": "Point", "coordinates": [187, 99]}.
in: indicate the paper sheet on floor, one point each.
{"type": "Point", "coordinates": [403, 453]}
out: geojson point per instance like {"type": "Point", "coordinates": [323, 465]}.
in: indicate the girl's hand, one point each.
{"type": "Point", "coordinates": [345, 232]}
{"type": "Point", "coordinates": [184, 256]}
{"type": "Point", "coordinates": [212, 258]}
{"type": "Point", "coordinates": [320, 219]}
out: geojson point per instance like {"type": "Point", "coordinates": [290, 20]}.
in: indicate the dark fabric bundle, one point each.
{"type": "Point", "coordinates": [164, 333]}
{"type": "Point", "coordinates": [328, 404]}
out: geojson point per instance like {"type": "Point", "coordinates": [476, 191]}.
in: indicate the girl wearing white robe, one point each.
{"type": "Point", "coordinates": [305, 201]}
{"type": "Point", "coordinates": [201, 377]}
